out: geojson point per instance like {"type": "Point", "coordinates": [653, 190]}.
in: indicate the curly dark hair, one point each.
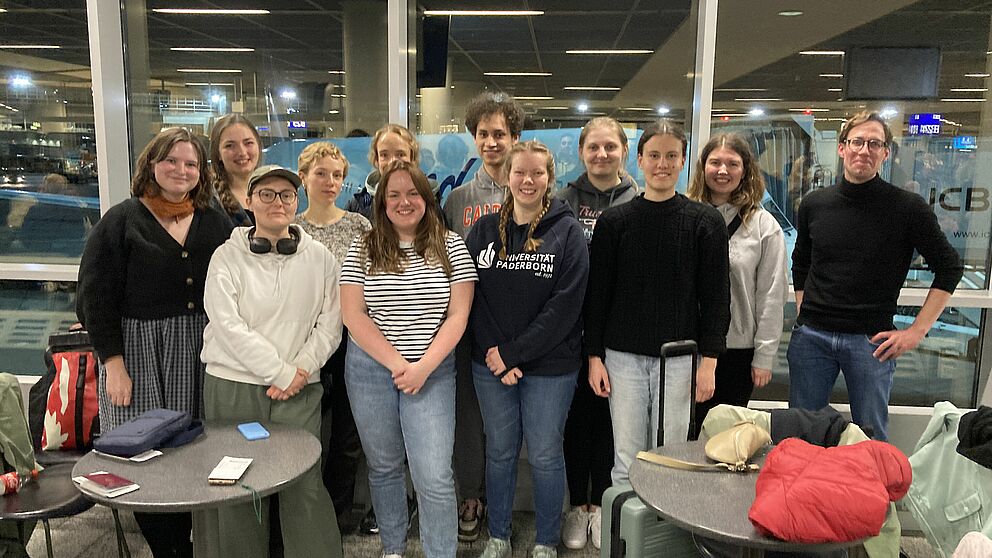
{"type": "Point", "coordinates": [484, 104]}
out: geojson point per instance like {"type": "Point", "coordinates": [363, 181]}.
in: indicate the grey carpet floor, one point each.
{"type": "Point", "coordinates": [91, 534]}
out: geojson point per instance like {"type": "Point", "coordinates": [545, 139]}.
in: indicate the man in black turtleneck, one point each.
{"type": "Point", "coordinates": [855, 245]}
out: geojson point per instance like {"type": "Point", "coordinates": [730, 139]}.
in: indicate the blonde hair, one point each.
{"type": "Point", "coordinates": [400, 131]}
{"type": "Point", "coordinates": [221, 178]}
{"type": "Point", "coordinates": [531, 244]}
{"type": "Point", "coordinates": [381, 250]}
{"type": "Point", "coordinates": [749, 193]}
{"type": "Point", "coordinates": [613, 126]}
{"type": "Point", "coordinates": [317, 151]}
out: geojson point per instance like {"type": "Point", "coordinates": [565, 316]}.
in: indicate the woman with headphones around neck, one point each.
{"type": "Point", "coordinates": [275, 318]}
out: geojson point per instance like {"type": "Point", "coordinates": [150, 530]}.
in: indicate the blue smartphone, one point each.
{"type": "Point", "coordinates": [253, 431]}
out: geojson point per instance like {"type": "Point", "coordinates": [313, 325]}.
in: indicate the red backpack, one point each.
{"type": "Point", "coordinates": [63, 404]}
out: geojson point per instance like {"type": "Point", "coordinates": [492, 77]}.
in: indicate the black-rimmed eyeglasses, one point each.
{"type": "Point", "coordinates": [268, 196]}
{"type": "Point", "coordinates": [873, 145]}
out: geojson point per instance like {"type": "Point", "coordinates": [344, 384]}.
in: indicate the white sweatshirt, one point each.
{"type": "Point", "coordinates": [270, 313]}
{"type": "Point", "coordinates": [758, 285]}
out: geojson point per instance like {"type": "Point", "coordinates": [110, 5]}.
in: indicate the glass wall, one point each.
{"type": "Point", "coordinates": [300, 70]}
{"type": "Point", "coordinates": [789, 79]}
{"type": "Point", "coordinates": [48, 167]}
{"type": "Point", "coordinates": [564, 63]}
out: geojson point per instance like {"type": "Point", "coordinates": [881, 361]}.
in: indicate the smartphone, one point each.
{"type": "Point", "coordinates": [253, 431]}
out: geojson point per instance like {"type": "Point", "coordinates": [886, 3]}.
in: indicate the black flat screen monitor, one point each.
{"type": "Point", "coordinates": [892, 73]}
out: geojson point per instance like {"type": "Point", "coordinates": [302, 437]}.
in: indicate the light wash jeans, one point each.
{"type": "Point", "coordinates": [423, 425]}
{"type": "Point", "coordinates": [817, 356]}
{"type": "Point", "coordinates": [634, 398]}
{"type": "Point", "coordinates": [533, 410]}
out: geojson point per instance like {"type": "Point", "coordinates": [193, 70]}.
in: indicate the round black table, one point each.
{"type": "Point", "coordinates": [177, 480]}
{"type": "Point", "coordinates": [713, 505]}
{"type": "Point", "coordinates": [51, 495]}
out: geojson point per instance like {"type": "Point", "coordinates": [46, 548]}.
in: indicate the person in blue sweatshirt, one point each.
{"type": "Point", "coordinates": [533, 263]}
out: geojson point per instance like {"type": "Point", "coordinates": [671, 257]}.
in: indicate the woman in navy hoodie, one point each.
{"type": "Point", "coordinates": [532, 263]}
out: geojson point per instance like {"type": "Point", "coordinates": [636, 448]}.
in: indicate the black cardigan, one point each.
{"type": "Point", "coordinates": [133, 268]}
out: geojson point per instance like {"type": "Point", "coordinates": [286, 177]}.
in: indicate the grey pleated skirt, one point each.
{"type": "Point", "coordinates": [163, 359]}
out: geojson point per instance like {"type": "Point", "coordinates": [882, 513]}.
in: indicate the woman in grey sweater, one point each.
{"type": "Point", "coordinates": [728, 178]}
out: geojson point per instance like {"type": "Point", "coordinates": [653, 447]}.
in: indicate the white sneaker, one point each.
{"type": "Point", "coordinates": [596, 526]}
{"type": "Point", "coordinates": [497, 548]}
{"type": "Point", "coordinates": [575, 531]}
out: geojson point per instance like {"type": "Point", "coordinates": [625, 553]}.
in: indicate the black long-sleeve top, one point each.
{"type": "Point", "coordinates": [658, 272]}
{"type": "Point", "coordinates": [855, 244]}
{"type": "Point", "coordinates": [133, 268]}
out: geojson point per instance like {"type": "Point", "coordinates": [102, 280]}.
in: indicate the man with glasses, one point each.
{"type": "Point", "coordinates": [855, 244]}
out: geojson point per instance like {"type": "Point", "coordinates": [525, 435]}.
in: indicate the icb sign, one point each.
{"type": "Point", "coordinates": [297, 124]}
{"type": "Point", "coordinates": [924, 124]}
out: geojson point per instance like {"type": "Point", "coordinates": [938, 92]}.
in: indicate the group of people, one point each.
{"type": "Point", "coordinates": [443, 338]}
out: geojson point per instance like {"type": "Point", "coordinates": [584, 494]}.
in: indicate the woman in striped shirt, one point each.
{"type": "Point", "coordinates": [406, 293]}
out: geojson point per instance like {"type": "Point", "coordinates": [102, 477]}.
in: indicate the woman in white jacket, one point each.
{"type": "Point", "coordinates": [272, 300]}
{"type": "Point", "coordinates": [728, 178]}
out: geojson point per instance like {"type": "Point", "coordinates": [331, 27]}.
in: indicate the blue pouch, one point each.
{"type": "Point", "coordinates": [149, 431]}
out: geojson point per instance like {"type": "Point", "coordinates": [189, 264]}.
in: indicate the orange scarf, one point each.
{"type": "Point", "coordinates": [165, 209]}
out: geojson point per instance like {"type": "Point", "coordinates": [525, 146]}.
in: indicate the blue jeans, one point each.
{"type": "Point", "coordinates": [815, 359]}
{"type": "Point", "coordinates": [533, 410]}
{"type": "Point", "coordinates": [423, 425]}
{"type": "Point", "coordinates": [634, 405]}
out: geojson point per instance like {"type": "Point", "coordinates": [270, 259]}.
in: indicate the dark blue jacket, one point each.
{"type": "Point", "coordinates": [530, 304]}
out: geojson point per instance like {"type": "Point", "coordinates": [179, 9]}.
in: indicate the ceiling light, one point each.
{"type": "Point", "coordinates": [533, 98]}
{"type": "Point", "coordinates": [340, 72]}
{"type": "Point", "coordinates": [610, 51]}
{"type": "Point", "coordinates": [831, 75]}
{"type": "Point", "coordinates": [809, 110]}
{"type": "Point", "coordinates": [212, 49]}
{"type": "Point", "coordinates": [582, 107]}
{"type": "Point", "coordinates": [532, 74]}
{"type": "Point", "coordinates": [962, 100]}
{"type": "Point", "coordinates": [207, 71]}
{"type": "Point", "coordinates": [970, 90]}
{"type": "Point", "coordinates": [189, 11]}
{"type": "Point", "coordinates": [725, 89]}
{"type": "Point", "coordinates": [790, 13]}
{"type": "Point", "coordinates": [483, 12]}
{"type": "Point", "coordinates": [664, 110]}
{"type": "Point", "coordinates": [39, 47]}
{"type": "Point", "coordinates": [589, 88]}
{"type": "Point", "coordinates": [835, 89]}
{"type": "Point", "coordinates": [977, 75]}
{"type": "Point", "coordinates": [768, 99]}
{"type": "Point", "coordinates": [207, 84]}
{"type": "Point", "coordinates": [756, 112]}
{"type": "Point", "coordinates": [822, 52]}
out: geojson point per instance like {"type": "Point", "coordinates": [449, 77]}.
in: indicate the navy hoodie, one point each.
{"type": "Point", "coordinates": [530, 304]}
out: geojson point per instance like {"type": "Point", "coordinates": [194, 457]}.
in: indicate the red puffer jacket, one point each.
{"type": "Point", "coordinates": [811, 494]}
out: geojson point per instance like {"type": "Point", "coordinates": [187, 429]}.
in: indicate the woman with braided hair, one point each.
{"type": "Point", "coordinates": [532, 262]}
{"type": "Point", "coordinates": [235, 152]}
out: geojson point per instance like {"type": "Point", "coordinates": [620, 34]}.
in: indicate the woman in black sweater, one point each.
{"type": "Point", "coordinates": [140, 295]}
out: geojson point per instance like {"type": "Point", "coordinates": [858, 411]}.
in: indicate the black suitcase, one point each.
{"type": "Point", "coordinates": [630, 527]}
